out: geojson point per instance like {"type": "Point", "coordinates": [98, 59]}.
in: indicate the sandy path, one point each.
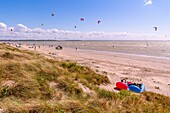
{"type": "Point", "coordinates": [153, 72]}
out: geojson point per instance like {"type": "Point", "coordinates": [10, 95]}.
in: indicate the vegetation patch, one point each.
{"type": "Point", "coordinates": [106, 94]}
{"type": "Point", "coordinates": [69, 87]}
{"type": "Point", "coordinates": [8, 55]}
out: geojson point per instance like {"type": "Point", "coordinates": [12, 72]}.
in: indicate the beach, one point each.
{"type": "Point", "coordinates": [153, 71]}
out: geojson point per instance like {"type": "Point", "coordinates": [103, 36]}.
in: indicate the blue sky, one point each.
{"type": "Point", "coordinates": [115, 15]}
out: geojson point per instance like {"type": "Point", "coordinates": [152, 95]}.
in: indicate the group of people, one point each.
{"type": "Point", "coordinates": [130, 83]}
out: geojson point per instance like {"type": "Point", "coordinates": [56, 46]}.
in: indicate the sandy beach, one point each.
{"type": "Point", "coordinates": [154, 72]}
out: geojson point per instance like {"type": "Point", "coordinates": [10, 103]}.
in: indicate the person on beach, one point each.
{"type": "Point", "coordinates": [34, 47]}
{"type": "Point", "coordinates": [50, 45]}
{"type": "Point", "coordinates": [59, 47]}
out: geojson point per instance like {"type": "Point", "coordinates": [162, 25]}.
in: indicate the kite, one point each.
{"type": "Point", "coordinates": [156, 28]}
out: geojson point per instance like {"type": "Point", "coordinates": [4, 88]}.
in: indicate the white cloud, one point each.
{"type": "Point", "coordinates": [20, 28]}
{"type": "Point", "coordinates": [53, 30]}
{"type": "Point", "coordinates": [23, 32]}
{"type": "Point", "coordinates": [36, 30]}
{"type": "Point", "coordinates": [3, 27]}
{"type": "Point", "coordinates": [148, 2]}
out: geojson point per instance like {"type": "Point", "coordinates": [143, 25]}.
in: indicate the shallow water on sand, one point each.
{"type": "Point", "coordinates": [150, 48]}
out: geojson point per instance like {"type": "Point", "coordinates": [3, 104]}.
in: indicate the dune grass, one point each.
{"type": "Point", "coordinates": [32, 83]}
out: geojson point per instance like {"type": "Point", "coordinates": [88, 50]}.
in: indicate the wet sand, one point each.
{"type": "Point", "coordinates": [154, 72]}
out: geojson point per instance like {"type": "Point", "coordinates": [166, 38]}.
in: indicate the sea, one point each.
{"type": "Point", "coordinates": [146, 48]}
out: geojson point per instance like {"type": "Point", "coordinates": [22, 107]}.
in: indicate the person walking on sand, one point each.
{"type": "Point", "coordinates": [34, 47]}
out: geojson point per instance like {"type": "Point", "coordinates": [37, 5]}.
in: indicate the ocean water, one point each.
{"type": "Point", "coordinates": [149, 48]}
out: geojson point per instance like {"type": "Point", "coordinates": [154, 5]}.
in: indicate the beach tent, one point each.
{"type": "Point", "coordinates": [124, 85]}
{"type": "Point", "coordinates": [138, 88]}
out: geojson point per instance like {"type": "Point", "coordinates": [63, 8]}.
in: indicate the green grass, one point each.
{"type": "Point", "coordinates": [42, 85]}
{"type": "Point", "coordinates": [84, 74]}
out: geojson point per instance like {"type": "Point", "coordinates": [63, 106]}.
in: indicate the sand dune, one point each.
{"type": "Point", "coordinates": [152, 71]}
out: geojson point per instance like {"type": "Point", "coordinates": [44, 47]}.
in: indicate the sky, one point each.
{"type": "Point", "coordinates": [120, 19]}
